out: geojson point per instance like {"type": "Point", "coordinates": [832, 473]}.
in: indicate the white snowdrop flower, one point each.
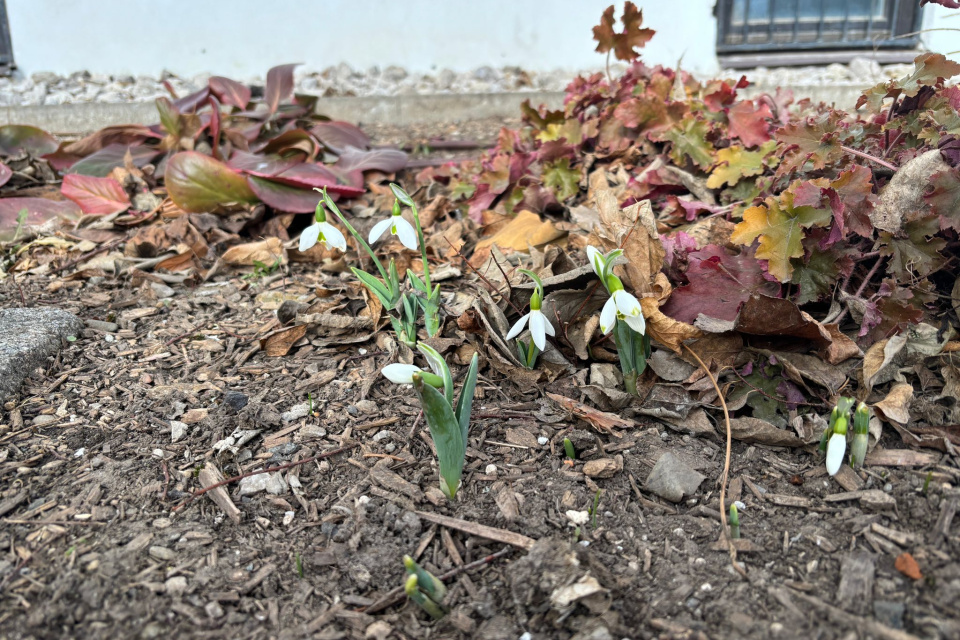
{"type": "Point", "coordinates": [400, 373]}
{"type": "Point", "coordinates": [622, 306]}
{"type": "Point", "coordinates": [398, 227]}
{"type": "Point", "coordinates": [540, 326]}
{"type": "Point", "coordinates": [836, 448]}
{"type": "Point", "coordinates": [322, 231]}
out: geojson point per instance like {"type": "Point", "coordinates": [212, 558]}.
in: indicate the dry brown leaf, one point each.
{"type": "Point", "coordinates": [896, 406]}
{"type": "Point", "coordinates": [759, 431]}
{"type": "Point", "coordinates": [842, 348]}
{"type": "Point", "coordinates": [633, 229]}
{"type": "Point", "coordinates": [664, 329]}
{"type": "Point", "coordinates": [280, 342]}
{"type": "Point", "coordinates": [600, 420]}
{"type": "Point", "coordinates": [267, 251]}
{"type": "Point", "coordinates": [525, 230]}
{"type": "Point", "coordinates": [766, 316]}
{"type": "Point", "coordinates": [878, 356]}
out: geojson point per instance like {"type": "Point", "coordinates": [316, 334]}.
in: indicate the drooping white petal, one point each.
{"type": "Point", "coordinates": [379, 229]}
{"type": "Point", "coordinates": [405, 231]}
{"type": "Point", "coordinates": [637, 323]}
{"type": "Point", "coordinates": [547, 326]}
{"type": "Point", "coordinates": [537, 330]}
{"type": "Point", "coordinates": [400, 373]}
{"type": "Point", "coordinates": [626, 303]}
{"type": "Point", "coordinates": [518, 327]}
{"type": "Point", "coordinates": [608, 317]}
{"type": "Point", "coordinates": [592, 254]}
{"type": "Point", "coordinates": [309, 236]}
{"type": "Point", "coordinates": [332, 236]}
{"type": "Point", "coordinates": [836, 447]}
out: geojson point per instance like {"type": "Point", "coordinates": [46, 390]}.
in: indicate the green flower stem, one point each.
{"type": "Point", "coordinates": [327, 200]}
{"type": "Point", "coordinates": [423, 247]}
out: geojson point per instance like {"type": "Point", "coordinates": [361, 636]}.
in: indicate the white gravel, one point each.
{"type": "Point", "coordinates": [46, 88]}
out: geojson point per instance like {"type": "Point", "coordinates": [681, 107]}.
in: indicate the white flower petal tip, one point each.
{"type": "Point", "coordinates": [537, 329]}
{"type": "Point", "coordinates": [517, 328]}
{"type": "Point", "coordinates": [405, 232]}
{"type": "Point", "coordinates": [592, 254]}
{"type": "Point", "coordinates": [309, 237]}
{"type": "Point", "coordinates": [400, 373]}
{"type": "Point", "coordinates": [836, 447]}
{"type": "Point", "coordinates": [637, 323]}
{"type": "Point", "coordinates": [332, 236]}
{"type": "Point", "coordinates": [378, 230]}
{"type": "Point", "coordinates": [608, 317]}
{"type": "Point", "coordinates": [627, 303]}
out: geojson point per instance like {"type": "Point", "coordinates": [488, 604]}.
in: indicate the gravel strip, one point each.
{"type": "Point", "coordinates": [46, 88]}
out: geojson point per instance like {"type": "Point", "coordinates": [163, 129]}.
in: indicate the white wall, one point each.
{"type": "Point", "coordinates": [944, 39]}
{"type": "Point", "coordinates": [243, 38]}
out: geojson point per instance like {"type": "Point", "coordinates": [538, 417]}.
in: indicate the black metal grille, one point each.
{"type": "Point", "coordinates": [783, 25]}
{"type": "Point", "coordinates": [6, 49]}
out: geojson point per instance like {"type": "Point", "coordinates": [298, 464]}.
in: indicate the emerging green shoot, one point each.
{"type": "Point", "coordinates": [926, 482]}
{"type": "Point", "coordinates": [834, 438]}
{"type": "Point", "coordinates": [298, 560]}
{"type": "Point", "coordinates": [593, 509]}
{"type": "Point", "coordinates": [449, 423]}
{"type": "Point", "coordinates": [424, 588]}
{"type": "Point", "coordinates": [734, 522]}
{"type": "Point", "coordinates": [21, 220]}
{"type": "Point", "coordinates": [569, 450]}
{"type": "Point", "coordinates": [861, 436]}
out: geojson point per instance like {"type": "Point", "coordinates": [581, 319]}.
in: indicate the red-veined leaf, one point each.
{"type": "Point", "coordinates": [230, 91]}
{"type": "Point", "coordinates": [99, 196]}
{"type": "Point", "coordinates": [107, 159]}
{"type": "Point", "coordinates": [198, 183]}
{"type": "Point", "coordinates": [16, 138]}
{"type": "Point", "coordinates": [338, 135]}
{"type": "Point", "coordinates": [283, 196]}
{"type": "Point", "coordinates": [39, 212]}
{"type": "Point", "coordinates": [279, 85]}
{"type": "Point", "coordinates": [386, 160]}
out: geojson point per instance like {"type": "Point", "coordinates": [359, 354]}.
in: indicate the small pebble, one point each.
{"type": "Point", "coordinates": [176, 586]}
{"type": "Point", "coordinates": [542, 440]}
{"type": "Point", "coordinates": [888, 487]}
{"type": "Point", "coordinates": [162, 553]}
{"type": "Point", "coordinates": [44, 419]}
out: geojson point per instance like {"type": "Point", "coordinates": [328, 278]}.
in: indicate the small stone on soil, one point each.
{"type": "Point", "coordinates": [296, 412]}
{"type": "Point", "coordinates": [671, 478]}
{"type": "Point", "coordinates": [234, 400]}
{"type": "Point", "coordinates": [176, 586]}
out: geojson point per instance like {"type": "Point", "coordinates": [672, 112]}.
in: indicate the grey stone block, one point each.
{"type": "Point", "coordinates": [27, 338]}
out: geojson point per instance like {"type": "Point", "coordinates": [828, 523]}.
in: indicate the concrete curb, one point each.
{"type": "Point", "coordinates": [27, 337]}
{"type": "Point", "coordinates": [394, 110]}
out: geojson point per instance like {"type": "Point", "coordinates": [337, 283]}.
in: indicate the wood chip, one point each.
{"type": "Point", "coordinates": [261, 575]}
{"type": "Point", "coordinates": [907, 565]}
{"type": "Point", "coordinates": [848, 479]}
{"type": "Point", "coordinates": [864, 625]}
{"type": "Point", "coordinates": [902, 538]}
{"type": "Point", "coordinates": [900, 458]}
{"type": "Point", "coordinates": [381, 474]}
{"type": "Point", "coordinates": [209, 476]}
{"type": "Point", "coordinates": [482, 531]}
{"type": "Point", "coordinates": [789, 501]}
{"type": "Point", "coordinates": [869, 498]}
{"type": "Point", "coordinates": [857, 572]}
{"type": "Point", "coordinates": [603, 467]}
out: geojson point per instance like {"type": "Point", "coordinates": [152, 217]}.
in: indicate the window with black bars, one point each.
{"type": "Point", "coordinates": [746, 26]}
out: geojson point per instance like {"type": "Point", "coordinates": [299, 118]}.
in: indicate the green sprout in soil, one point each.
{"type": "Point", "coordinates": [569, 450]}
{"type": "Point", "coordinates": [424, 588]}
{"type": "Point", "coordinates": [861, 436]}
{"type": "Point", "coordinates": [734, 522]}
{"type": "Point", "coordinates": [449, 422]}
{"type": "Point", "coordinates": [593, 509]}
{"type": "Point", "coordinates": [298, 560]}
{"type": "Point", "coordinates": [21, 220]}
{"type": "Point", "coordinates": [540, 326]}
{"type": "Point", "coordinates": [926, 482]}
{"type": "Point", "coordinates": [262, 270]}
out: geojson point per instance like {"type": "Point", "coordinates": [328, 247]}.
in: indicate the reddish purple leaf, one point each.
{"type": "Point", "coordinates": [122, 134]}
{"type": "Point", "coordinates": [719, 283]}
{"type": "Point", "coordinates": [16, 138]}
{"type": "Point", "coordinates": [40, 211]}
{"type": "Point", "coordinates": [230, 91]}
{"type": "Point", "coordinates": [198, 183]}
{"type": "Point", "coordinates": [386, 160]}
{"type": "Point", "coordinates": [192, 102]}
{"type": "Point", "coordinates": [309, 175]}
{"type": "Point", "coordinates": [284, 197]}
{"type": "Point", "coordinates": [338, 135]}
{"type": "Point", "coordinates": [5, 174]}
{"type": "Point", "coordinates": [102, 162]}
{"type": "Point", "coordinates": [265, 166]}
{"type": "Point", "coordinates": [291, 140]}
{"type": "Point", "coordinates": [750, 124]}
{"type": "Point", "coordinates": [97, 196]}
{"type": "Point", "coordinates": [279, 85]}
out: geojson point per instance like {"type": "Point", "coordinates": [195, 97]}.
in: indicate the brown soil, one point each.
{"type": "Point", "coordinates": [100, 540]}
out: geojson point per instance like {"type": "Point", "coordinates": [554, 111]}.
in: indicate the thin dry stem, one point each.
{"type": "Point", "coordinates": [726, 465]}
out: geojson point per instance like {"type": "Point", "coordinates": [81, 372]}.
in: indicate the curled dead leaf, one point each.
{"type": "Point", "coordinates": [664, 329]}
{"type": "Point", "coordinates": [280, 342]}
{"type": "Point", "coordinates": [600, 420]}
{"type": "Point", "coordinates": [758, 431]}
{"type": "Point", "coordinates": [266, 251]}
{"type": "Point", "coordinates": [896, 406]}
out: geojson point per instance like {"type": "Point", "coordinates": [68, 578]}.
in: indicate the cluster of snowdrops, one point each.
{"type": "Point", "coordinates": [448, 418]}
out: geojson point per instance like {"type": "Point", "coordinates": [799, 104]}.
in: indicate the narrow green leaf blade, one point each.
{"type": "Point", "coordinates": [446, 433]}
{"type": "Point", "coordinates": [401, 195]}
{"type": "Point", "coordinates": [465, 401]}
{"type": "Point", "coordinates": [374, 285]}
